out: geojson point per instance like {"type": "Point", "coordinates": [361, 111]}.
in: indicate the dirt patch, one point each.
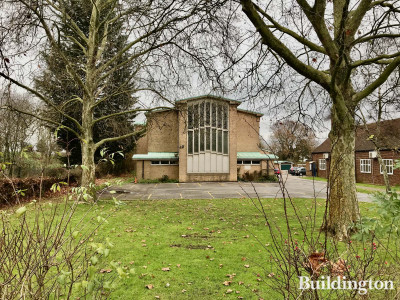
{"type": "Point", "coordinates": [201, 247]}
{"type": "Point", "coordinates": [195, 235]}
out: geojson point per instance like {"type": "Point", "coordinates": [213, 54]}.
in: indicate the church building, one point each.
{"type": "Point", "coordinates": [204, 138]}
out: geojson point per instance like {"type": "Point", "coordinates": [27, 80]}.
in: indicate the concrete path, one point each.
{"type": "Point", "coordinates": [295, 186]}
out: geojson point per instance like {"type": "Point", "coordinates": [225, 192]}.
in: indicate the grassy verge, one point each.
{"type": "Point", "coordinates": [365, 188]}
{"type": "Point", "coordinates": [314, 178]}
{"type": "Point", "coordinates": [187, 249]}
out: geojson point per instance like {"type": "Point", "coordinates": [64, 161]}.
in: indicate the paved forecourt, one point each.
{"type": "Point", "coordinates": [294, 186]}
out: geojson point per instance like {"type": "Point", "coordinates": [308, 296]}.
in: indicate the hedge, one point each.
{"type": "Point", "coordinates": [30, 187]}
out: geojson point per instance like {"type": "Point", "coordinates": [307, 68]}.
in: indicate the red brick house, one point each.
{"type": "Point", "coordinates": [367, 166]}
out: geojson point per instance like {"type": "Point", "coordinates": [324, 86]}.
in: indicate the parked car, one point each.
{"type": "Point", "coordinates": [292, 170]}
{"type": "Point", "coordinates": [277, 172]}
{"type": "Point", "coordinates": [300, 171]}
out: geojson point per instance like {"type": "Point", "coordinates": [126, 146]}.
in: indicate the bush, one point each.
{"type": "Point", "coordinates": [258, 177]}
{"type": "Point", "coordinates": [13, 190]}
{"type": "Point", "coordinates": [45, 254]}
{"type": "Point", "coordinates": [268, 178]}
{"type": "Point", "coordinates": [163, 179]}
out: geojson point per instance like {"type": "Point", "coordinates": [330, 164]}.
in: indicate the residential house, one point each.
{"type": "Point", "coordinates": [368, 169]}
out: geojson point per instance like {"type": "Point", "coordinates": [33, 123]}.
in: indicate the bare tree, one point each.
{"type": "Point", "coordinates": [329, 44]}
{"type": "Point", "coordinates": [16, 130]}
{"type": "Point", "coordinates": [153, 27]}
{"type": "Point", "coordinates": [292, 140]}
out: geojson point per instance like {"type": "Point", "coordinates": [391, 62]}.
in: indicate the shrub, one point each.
{"type": "Point", "coordinates": [268, 178]}
{"type": "Point", "coordinates": [258, 177]}
{"type": "Point", "coordinates": [163, 179]}
{"type": "Point", "coordinates": [12, 190]}
{"type": "Point", "coordinates": [44, 256]}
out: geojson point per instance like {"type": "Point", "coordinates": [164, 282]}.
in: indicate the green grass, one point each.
{"type": "Point", "coordinates": [314, 178]}
{"type": "Point", "coordinates": [365, 188]}
{"type": "Point", "coordinates": [200, 241]}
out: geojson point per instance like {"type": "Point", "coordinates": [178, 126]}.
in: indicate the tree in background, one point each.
{"type": "Point", "coordinates": [16, 129]}
{"type": "Point", "coordinates": [292, 140]}
{"type": "Point", "coordinates": [58, 85]}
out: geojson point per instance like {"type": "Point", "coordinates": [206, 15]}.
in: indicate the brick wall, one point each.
{"type": "Point", "coordinates": [156, 171]}
{"type": "Point", "coordinates": [242, 169]}
{"type": "Point", "coordinates": [162, 132]}
{"type": "Point", "coordinates": [375, 177]}
{"type": "Point", "coordinates": [320, 173]}
{"type": "Point", "coordinates": [247, 132]}
{"type": "Point", "coordinates": [182, 138]}
{"type": "Point", "coordinates": [233, 141]}
{"type": "Point", "coordinates": [141, 144]}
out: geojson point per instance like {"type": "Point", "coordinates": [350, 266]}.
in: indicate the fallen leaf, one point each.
{"type": "Point", "coordinates": [227, 283]}
{"type": "Point", "coordinates": [183, 291]}
{"type": "Point", "coordinates": [243, 258]}
{"type": "Point", "coordinates": [240, 282]}
{"type": "Point", "coordinates": [178, 265]}
{"type": "Point", "coordinates": [149, 286]}
{"type": "Point", "coordinates": [229, 291]}
{"type": "Point", "coordinates": [316, 261]}
{"type": "Point", "coordinates": [166, 269]}
{"type": "Point", "coordinates": [157, 297]}
{"type": "Point", "coordinates": [105, 271]}
{"type": "Point", "coordinates": [339, 268]}
{"type": "Point", "coordinates": [247, 266]}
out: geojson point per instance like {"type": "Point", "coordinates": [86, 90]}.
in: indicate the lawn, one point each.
{"type": "Point", "coordinates": [200, 244]}
{"type": "Point", "coordinates": [365, 188]}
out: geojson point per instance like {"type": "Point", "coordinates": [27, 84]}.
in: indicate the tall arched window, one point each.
{"type": "Point", "coordinates": [208, 137]}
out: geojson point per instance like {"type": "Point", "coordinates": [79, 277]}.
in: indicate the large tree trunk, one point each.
{"type": "Point", "coordinates": [342, 201]}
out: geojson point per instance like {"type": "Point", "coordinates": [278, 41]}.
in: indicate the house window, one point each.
{"type": "Point", "coordinates": [248, 162]}
{"type": "Point", "coordinates": [322, 164]}
{"type": "Point", "coordinates": [164, 162]}
{"type": "Point", "coordinates": [365, 165]}
{"type": "Point", "coordinates": [388, 163]}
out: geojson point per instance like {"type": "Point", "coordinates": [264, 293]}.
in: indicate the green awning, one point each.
{"type": "Point", "coordinates": [156, 156]}
{"type": "Point", "coordinates": [255, 155]}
